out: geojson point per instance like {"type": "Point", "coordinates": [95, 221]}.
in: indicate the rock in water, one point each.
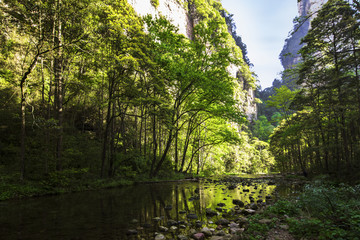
{"type": "Point", "coordinates": [199, 236]}
{"type": "Point", "coordinates": [131, 232]}
{"type": "Point", "coordinates": [160, 237]}
{"type": "Point", "coordinates": [192, 216]}
{"type": "Point", "coordinates": [209, 212]}
{"type": "Point", "coordinates": [163, 229]}
{"type": "Point", "coordinates": [238, 202]}
{"type": "Point", "coordinates": [223, 222]}
{"type": "Point", "coordinates": [207, 232]}
{"type": "Point", "coordinates": [182, 237]}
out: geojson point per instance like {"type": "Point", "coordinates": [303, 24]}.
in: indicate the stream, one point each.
{"type": "Point", "coordinates": [112, 213]}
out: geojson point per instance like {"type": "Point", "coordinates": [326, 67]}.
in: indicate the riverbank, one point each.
{"type": "Point", "coordinates": [218, 208]}
{"type": "Point", "coordinates": [324, 210]}
{"type": "Point", "coordinates": [80, 180]}
{"type": "Point", "coordinates": [73, 180]}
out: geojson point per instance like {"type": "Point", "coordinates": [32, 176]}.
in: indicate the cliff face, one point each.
{"type": "Point", "coordinates": [289, 55]}
{"type": "Point", "coordinates": [173, 10]}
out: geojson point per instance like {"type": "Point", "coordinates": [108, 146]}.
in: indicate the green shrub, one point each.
{"type": "Point", "coordinates": [284, 207]}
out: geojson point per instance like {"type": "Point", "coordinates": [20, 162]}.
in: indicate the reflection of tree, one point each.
{"type": "Point", "coordinates": [177, 202]}
{"type": "Point", "coordinates": [185, 200]}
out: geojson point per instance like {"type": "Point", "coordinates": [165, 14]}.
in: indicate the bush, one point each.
{"type": "Point", "coordinates": [330, 212]}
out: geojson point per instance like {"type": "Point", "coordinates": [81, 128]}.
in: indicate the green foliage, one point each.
{"type": "Point", "coordinates": [328, 212]}
{"type": "Point", "coordinates": [65, 178]}
{"type": "Point", "coordinates": [282, 100]}
{"type": "Point", "coordinates": [283, 208]}
{"type": "Point", "coordinates": [155, 3]}
{"type": "Point", "coordinates": [133, 102]}
{"type": "Point", "coordinates": [262, 128]}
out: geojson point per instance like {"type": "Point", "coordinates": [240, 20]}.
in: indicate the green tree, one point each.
{"type": "Point", "coordinates": [281, 100]}
{"type": "Point", "coordinates": [262, 128]}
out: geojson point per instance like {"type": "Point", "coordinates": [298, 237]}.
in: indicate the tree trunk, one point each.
{"type": "Point", "coordinates": [59, 84]}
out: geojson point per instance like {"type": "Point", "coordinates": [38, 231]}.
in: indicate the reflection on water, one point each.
{"type": "Point", "coordinates": [108, 214]}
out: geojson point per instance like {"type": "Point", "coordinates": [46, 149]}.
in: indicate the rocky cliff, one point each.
{"type": "Point", "coordinates": [174, 10]}
{"type": "Point", "coordinates": [307, 11]}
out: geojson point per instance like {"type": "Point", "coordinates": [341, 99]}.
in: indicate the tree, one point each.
{"type": "Point", "coordinates": [282, 100]}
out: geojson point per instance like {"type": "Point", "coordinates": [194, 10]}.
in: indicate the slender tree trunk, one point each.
{"type": "Point", "coordinates": [186, 145]}
{"type": "Point", "coordinates": [166, 150]}
{"type": "Point", "coordinates": [153, 162]}
{"type": "Point", "coordinates": [23, 132]}
{"type": "Point", "coordinates": [23, 115]}
{"type": "Point", "coordinates": [59, 81]}
{"type": "Point", "coordinates": [107, 126]}
{"type": "Point", "coordinates": [112, 145]}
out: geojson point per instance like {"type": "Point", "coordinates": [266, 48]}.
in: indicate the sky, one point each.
{"type": "Point", "coordinates": [263, 26]}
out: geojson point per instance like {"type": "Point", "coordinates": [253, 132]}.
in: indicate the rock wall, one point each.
{"type": "Point", "coordinates": [174, 10]}
{"type": "Point", "coordinates": [289, 55]}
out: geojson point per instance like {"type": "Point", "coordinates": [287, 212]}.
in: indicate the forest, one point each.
{"type": "Point", "coordinates": [94, 96]}
{"type": "Point", "coordinates": [89, 89]}
{"type": "Point", "coordinates": [319, 131]}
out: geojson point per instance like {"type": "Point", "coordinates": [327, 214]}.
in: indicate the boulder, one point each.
{"type": "Point", "coordinates": [207, 231]}
{"type": "Point", "coordinates": [209, 212]}
{"type": "Point", "coordinates": [173, 228]}
{"type": "Point", "coordinates": [217, 238]}
{"type": "Point", "coordinates": [236, 230]}
{"type": "Point", "coordinates": [238, 202]}
{"type": "Point", "coordinates": [253, 206]}
{"type": "Point", "coordinates": [223, 222]}
{"type": "Point", "coordinates": [132, 232]}
{"type": "Point", "coordinates": [248, 211]}
{"type": "Point", "coordinates": [265, 221]}
{"type": "Point", "coordinates": [192, 216]}
{"type": "Point", "coordinates": [163, 229]}
{"type": "Point", "coordinates": [160, 237]}
{"type": "Point", "coordinates": [172, 223]}
{"type": "Point", "coordinates": [199, 236]}
{"type": "Point", "coordinates": [182, 237]}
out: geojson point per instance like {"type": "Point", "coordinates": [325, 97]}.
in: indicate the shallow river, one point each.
{"type": "Point", "coordinates": [109, 214]}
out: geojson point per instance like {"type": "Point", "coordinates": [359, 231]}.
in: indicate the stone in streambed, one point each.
{"type": "Point", "coordinates": [160, 237]}
{"type": "Point", "coordinates": [132, 232]}
{"type": "Point", "coordinates": [163, 229]}
{"type": "Point", "coordinates": [192, 216]}
{"type": "Point", "coordinates": [236, 231]}
{"type": "Point", "coordinates": [207, 231]}
{"type": "Point", "coordinates": [182, 237]}
{"type": "Point", "coordinates": [223, 222]}
{"type": "Point", "coordinates": [199, 236]}
{"type": "Point", "coordinates": [209, 212]}
{"type": "Point", "coordinates": [238, 202]}
{"type": "Point", "coordinates": [217, 238]}
{"type": "Point", "coordinates": [172, 223]}
{"type": "Point", "coordinates": [265, 221]}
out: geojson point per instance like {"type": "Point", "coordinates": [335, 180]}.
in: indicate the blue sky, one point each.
{"type": "Point", "coordinates": [263, 26]}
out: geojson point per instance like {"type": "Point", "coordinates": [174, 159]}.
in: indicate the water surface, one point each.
{"type": "Point", "coordinates": [109, 214]}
